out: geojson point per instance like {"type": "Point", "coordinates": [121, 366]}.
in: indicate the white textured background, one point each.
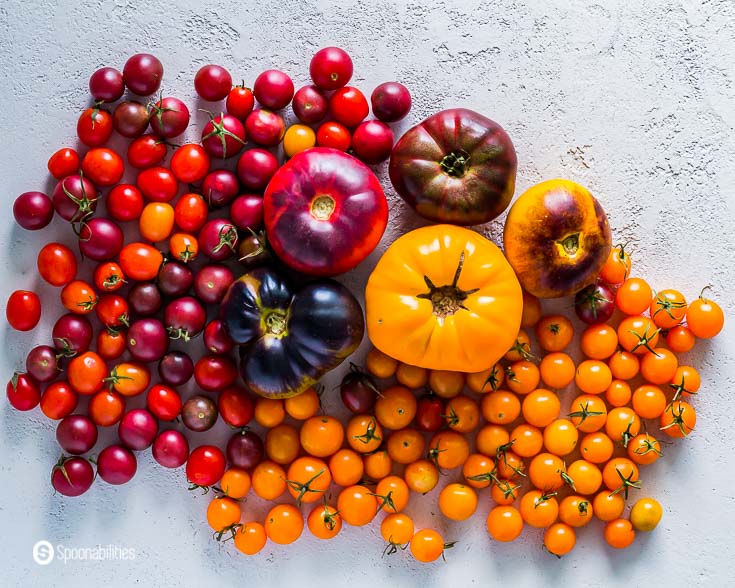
{"type": "Point", "coordinates": [633, 99]}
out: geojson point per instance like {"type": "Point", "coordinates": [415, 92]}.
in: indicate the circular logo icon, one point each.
{"type": "Point", "coordinates": [43, 552]}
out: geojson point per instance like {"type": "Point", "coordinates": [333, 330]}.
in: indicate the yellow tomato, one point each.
{"type": "Point", "coordinates": [445, 298]}
{"type": "Point", "coordinates": [646, 514]}
{"type": "Point", "coordinates": [298, 138]}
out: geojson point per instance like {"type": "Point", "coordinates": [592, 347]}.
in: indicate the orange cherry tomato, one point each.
{"type": "Point", "coordinates": [324, 522]}
{"type": "Point", "coordinates": [522, 376]}
{"type": "Point", "coordinates": [379, 364]}
{"type": "Point", "coordinates": [618, 393]}
{"type": "Point", "coordinates": [462, 414]}
{"type": "Point", "coordinates": [531, 310]}
{"type": "Point", "coordinates": [250, 538]}
{"type": "Point", "coordinates": [510, 465]}
{"type": "Point", "coordinates": [448, 449]}
{"type": "Point", "coordinates": [405, 446]}
{"type": "Point", "coordinates": [346, 467]}
{"type": "Point", "coordinates": [593, 376]}
{"type": "Point", "coordinates": [619, 533]}
{"type": "Point", "coordinates": [575, 511]}
{"type": "Point", "coordinates": [397, 529]}
{"type": "Point", "coordinates": [504, 523]}
{"type": "Point", "coordinates": [298, 138]}
{"type": "Point", "coordinates": [304, 405]}
{"type": "Point", "coordinates": [282, 444]}
{"type": "Point", "coordinates": [395, 407]}
{"type": "Point", "coordinates": [649, 401]}
{"type": "Point", "coordinates": [660, 366]}
{"type": "Point", "coordinates": [554, 332]}
{"type": "Point", "coordinates": [446, 384]}
{"type": "Point", "coordinates": [357, 505]}
{"type": "Point", "coordinates": [668, 308]}
{"type": "Point", "coordinates": [392, 493]}
{"type": "Point", "coordinates": [223, 513]}
{"type": "Point", "coordinates": [638, 334]}
{"type": "Point", "coordinates": [284, 523]}
{"type": "Point", "coordinates": [140, 262]}
{"type": "Point", "coordinates": [427, 545]}
{"type": "Point", "coordinates": [504, 492]}
{"type": "Point", "coordinates": [488, 380]}
{"type": "Point", "coordinates": [686, 382]}
{"type": "Point", "coordinates": [78, 297]}
{"type": "Point", "coordinates": [422, 476]}
{"type": "Point", "coordinates": [269, 412]}
{"type": "Point", "coordinates": [607, 506]}
{"type": "Point", "coordinates": [521, 348]}
{"type": "Point", "coordinates": [633, 296]}
{"type": "Point", "coordinates": [490, 438]}
{"type": "Point", "coordinates": [501, 407]}
{"type": "Point", "coordinates": [704, 317]}
{"type": "Point", "coordinates": [129, 379]}
{"type": "Point", "coordinates": [680, 339]}
{"type": "Point", "coordinates": [596, 447]}
{"type": "Point", "coordinates": [235, 483]}
{"type": "Point", "coordinates": [527, 440]}
{"type": "Point", "coordinates": [322, 436]}
{"type": "Point", "coordinates": [377, 465]}
{"type": "Point", "coordinates": [478, 470]}
{"type": "Point", "coordinates": [560, 539]}
{"type": "Point", "coordinates": [183, 247]}
{"type": "Point", "coordinates": [622, 424]}
{"type": "Point", "coordinates": [585, 477]}
{"type": "Point", "coordinates": [619, 475]}
{"type": "Point", "coordinates": [560, 437]}
{"type": "Point", "coordinates": [623, 365]}
{"type": "Point", "coordinates": [457, 501]}
{"type": "Point", "coordinates": [106, 408]}
{"type": "Point", "coordinates": [588, 412]}
{"type": "Point", "coordinates": [412, 376]}
{"type": "Point", "coordinates": [557, 370]}
{"type": "Point", "coordinates": [545, 471]}
{"type": "Point", "coordinates": [156, 222]}
{"type": "Point", "coordinates": [617, 266]}
{"type": "Point", "coordinates": [644, 449]}
{"type": "Point", "coordinates": [538, 509]}
{"type": "Point", "coordinates": [268, 480]}
{"type": "Point", "coordinates": [86, 373]}
{"type": "Point", "coordinates": [540, 407]}
{"type": "Point", "coordinates": [599, 341]}
{"type": "Point", "coordinates": [678, 419]}
{"type": "Point", "coordinates": [308, 478]}
{"type": "Point", "coordinates": [364, 434]}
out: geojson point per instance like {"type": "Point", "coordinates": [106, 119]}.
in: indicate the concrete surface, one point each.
{"type": "Point", "coordinates": [633, 99]}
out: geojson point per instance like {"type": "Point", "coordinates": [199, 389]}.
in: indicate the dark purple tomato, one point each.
{"type": "Point", "coordinates": [142, 74]}
{"type": "Point", "coordinates": [106, 85]}
{"type": "Point", "coordinates": [246, 212]}
{"type": "Point", "coordinates": [244, 450]}
{"type": "Point", "coordinates": [330, 68]}
{"type": "Point", "coordinates": [72, 476]}
{"type": "Point", "coordinates": [256, 167]}
{"type": "Point", "coordinates": [147, 340]}
{"type": "Point", "coordinates": [358, 391]}
{"type": "Point", "coordinates": [76, 434]}
{"type": "Point", "coordinates": [273, 89]}
{"type": "Point", "coordinates": [169, 117]}
{"type": "Point", "coordinates": [176, 368]}
{"type": "Point", "coordinates": [171, 449]}
{"type": "Point", "coordinates": [372, 141]}
{"type": "Point", "coordinates": [430, 413]}
{"type": "Point", "coordinates": [23, 392]}
{"type": "Point", "coordinates": [42, 363]}
{"type": "Point", "coordinates": [213, 82]}
{"type": "Point", "coordinates": [391, 101]}
{"type": "Point", "coordinates": [72, 334]}
{"type": "Point", "coordinates": [175, 278]}
{"type": "Point", "coordinates": [219, 187]}
{"type": "Point", "coordinates": [137, 429]}
{"type": "Point", "coordinates": [74, 198]}
{"type": "Point", "coordinates": [214, 373]}
{"type": "Point", "coordinates": [100, 239]}
{"type": "Point", "coordinates": [33, 210]}
{"type": "Point", "coordinates": [199, 413]}
{"type": "Point", "coordinates": [310, 105]}
{"type": "Point", "coordinates": [264, 127]}
{"type": "Point", "coordinates": [216, 339]}
{"type": "Point", "coordinates": [184, 318]}
{"type": "Point", "coordinates": [212, 281]}
{"type": "Point", "coordinates": [218, 239]}
{"type": "Point", "coordinates": [145, 298]}
{"type": "Point", "coordinates": [253, 251]}
{"type": "Point", "coordinates": [594, 304]}
{"type": "Point", "coordinates": [116, 464]}
{"type": "Point", "coordinates": [223, 136]}
{"type": "Point", "coordinates": [130, 119]}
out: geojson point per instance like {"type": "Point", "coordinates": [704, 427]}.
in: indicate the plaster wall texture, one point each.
{"type": "Point", "coordinates": [633, 99]}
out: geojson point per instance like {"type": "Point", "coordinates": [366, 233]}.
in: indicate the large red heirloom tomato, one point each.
{"type": "Point", "coordinates": [456, 166]}
{"type": "Point", "coordinates": [325, 211]}
{"type": "Point", "coordinates": [557, 238]}
{"type": "Point", "coordinates": [445, 298]}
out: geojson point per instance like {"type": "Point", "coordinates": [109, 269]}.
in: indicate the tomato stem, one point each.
{"type": "Point", "coordinates": [455, 163]}
{"type": "Point", "coordinates": [447, 300]}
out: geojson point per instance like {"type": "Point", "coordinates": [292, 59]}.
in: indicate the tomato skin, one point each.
{"type": "Point", "coordinates": [205, 466]}
{"type": "Point", "coordinates": [110, 345]}
{"type": "Point", "coordinates": [23, 392]}
{"type": "Point", "coordinates": [190, 212]}
{"type": "Point", "coordinates": [298, 138]}
{"type": "Point", "coordinates": [156, 221]}
{"type": "Point", "coordinates": [240, 102]}
{"type": "Point", "coordinates": [426, 545]}
{"type": "Point", "coordinates": [284, 523]}
{"type": "Point", "coordinates": [163, 402]}
{"type": "Point", "coordinates": [190, 163]}
{"type": "Point", "coordinates": [335, 135]}
{"type": "Point", "coordinates": [705, 317]}
{"type": "Point", "coordinates": [23, 310]}
{"type": "Point", "coordinates": [146, 151]}
{"type": "Point", "coordinates": [79, 297]}
{"type": "Point", "coordinates": [58, 400]}
{"type": "Point", "coordinates": [349, 106]}
{"type": "Point", "coordinates": [235, 406]}
{"type": "Point", "coordinates": [330, 68]}
{"type": "Point", "coordinates": [125, 202]}
{"type": "Point", "coordinates": [504, 523]}
{"type": "Point", "coordinates": [86, 373]}
{"type": "Point", "coordinates": [63, 162]}
{"type": "Point", "coordinates": [94, 127]}
{"type": "Point", "coordinates": [102, 166]}
{"type": "Point", "coordinates": [108, 276]}
{"type": "Point", "coordinates": [250, 538]}
{"type": "Point", "coordinates": [106, 408]}
{"type": "Point", "coordinates": [140, 262]}
{"type": "Point", "coordinates": [158, 184]}
{"type": "Point", "coordinates": [619, 533]}
{"type": "Point", "coordinates": [57, 264]}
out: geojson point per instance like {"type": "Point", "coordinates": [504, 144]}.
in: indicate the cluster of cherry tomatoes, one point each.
{"type": "Point", "coordinates": [163, 226]}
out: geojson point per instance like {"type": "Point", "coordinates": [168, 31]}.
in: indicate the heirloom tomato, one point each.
{"type": "Point", "coordinates": [445, 298]}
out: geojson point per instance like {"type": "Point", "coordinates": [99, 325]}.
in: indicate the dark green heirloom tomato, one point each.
{"type": "Point", "coordinates": [456, 167]}
{"type": "Point", "coordinates": [289, 339]}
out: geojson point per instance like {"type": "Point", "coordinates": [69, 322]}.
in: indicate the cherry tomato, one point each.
{"type": "Point", "coordinates": [575, 511]}
{"type": "Point", "coordinates": [64, 162]}
{"type": "Point", "coordinates": [422, 476]}
{"type": "Point", "coordinates": [140, 262]}
{"type": "Point", "coordinates": [560, 539]}
{"type": "Point", "coordinates": [269, 412]}
{"type": "Point", "coordinates": [646, 514]}
{"type": "Point", "coordinates": [23, 310]}
{"type": "Point", "coordinates": [235, 483]}
{"type": "Point", "coordinates": [557, 370]}
{"type": "Point", "coordinates": [106, 408]}
{"type": "Point", "coordinates": [156, 221]}
{"type": "Point", "coordinates": [347, 467]}
{"type": "Point", "coordinates": [348, 106]}
{"type": "Point", "coordinates": [363, 433]}
{"type": "Point", "coordinates": [58, 400]}
{"type": "Point", "coordinates": [504, 523]}
{"type": "Point", "coordinates": [357, 505]}
{"type": "Point", "coordinates": [321, 436]}
{"type": "Point", "coordinates": [330, 68]}
{"type": "Point", "coordinates": [678, 419]}
{"type": "Point", "coordinates": [527, 440]}
{"type": "Point", "coordinates": [333, 134]}
{"type": "Point", "coordinates": [395, 407]}
{"type": "Point", "coordinates": [659, 367]}
{"type": "Point", "coordinates": [599, 341]}
{"type": "Point", "coordinates": [324, 521]}
{"type": "Point", "coordinates": [304, 406]}
{"type": "Point", "coordinates": [607, 506]}
{"type": "Point", "coordinates": [445, 383]}
{"type": "Point", "coordinates": [540, 407]}
{"type": "Point", "coordinates": [633, 296]}
{"type": "Point", "coordinates": [449, 449]}
{"type": "Point", "coordinates": [619, 533]}
{"type": "Point", "coordinates": [593, 376]}
{"type": "Point", "coordinates": [78, 297]}
{"type": "Point", "coordinates": [212, 82]}
{"type": "Point", "coordinates": [680, 339]}
{"type": "Point", "coordinates": [205, 466]}
{"type": "Point", "coordinates": [397, 529]}
{"type": "Point", "coordinates": [588, 412]}
{"type": "Point", "coordinates": [282, 444]}
{"type": "Point", "coordinates": [429, 413]}
{"type": "Point", "coordinates": [250, 538]}
{"type": "Point", "coordinates": [57, 264]}
{"type": "Point", "coordinates": [235, 406]}
{"type": "Point", "coordinates": [86, 373]}
{"type": "Point", "coordinates": [268, 480]}
{"type": "Point", "coordinates": [240, 102]}
{"type": "Point", "coordinates": [545, 471]}
{"type": "Point", "coordinates": [284, 523]}
{"type": "Point", "coordinates": [94, 127]}
{"type": "Point", "coordinates": [157, 184]}
{"type": "Point", "coordinates": [308, 479]}
{"type": "Point", "coordinates": [704, 317]}
{"type": "Point", "coordinates": [554, 332]}
{"type": "Point", "coordinates": [146, 151]}
{"type": "Point", "coordinates": [102, 166]}
{"type": "Point", "coordinates": [668, 308]}
{"type": "Point", "coordinates": [405, 446]}
{"type": "Point", "coordinates": [23, 392]}
{"type": "Point", "coordinates": [125, 202]}
{"type": "Point", "coordinates": [372, 141]}
{"type": "Point", "coordinates": [190, 163]}
{"type": "Point", "coordinates": [617, 266]}
{"type": "Point", "coordinates": [298, 138]}
{"type": "Point", "coordinates": [222, 513]}
{"type": "Point", "coordinates": [538, 508]}
{"type": "Point", "coordinates": [457, 501]}
{"type": "Point", "coordinates": [596, 447]}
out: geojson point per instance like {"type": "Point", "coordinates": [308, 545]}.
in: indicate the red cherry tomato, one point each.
{"type": "Point", "coordinates": [23, 392]}
{"type": "Point", "coordinates": [333, 134]}
{"type": "Point", "coordinates": [190, 212]}
{"type": "Point", "coordinates": [330, 68]}
{"type": "Point", "coordinates": [140, 261]}
{"type": "Point", "coordinates": [108, 276]}
{"type": "Point", "coordinates": [164, 402]}
{"type": "Point", "coordinates": [23, 310]}
{"type": "Point", "coordinates": [240, 102]}
{"type": "Point", "coordinates": [158, 184]}
{"type": "Point", "coordinates": [235, 406]}
{"type": "Point", "coordinates": [58, 400]}
{"type": "Point", "coordinates": [125, 203]}
{"type": "Point", "coordinates": [57, 264]}
{"type": "Point", "coordinates": [103, 166]}
{"type": "Point", "coordinates": [190, 163]}
{"type": "Point", "coordinates": [349, 106]}
{"type": "Point", "coordinates": [146, 151]}
{"type": "Point", "coordinates": [372, 141]}
{"type": "Point", "coordinates": [94, 127]}
{"type": "Point", "coordinates": [64, 162]}
{"type": "Point", "coordinates": [205, 466]}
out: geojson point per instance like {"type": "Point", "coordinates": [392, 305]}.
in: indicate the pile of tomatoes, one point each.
{"type": "Point", "coordinates": [552, 440]}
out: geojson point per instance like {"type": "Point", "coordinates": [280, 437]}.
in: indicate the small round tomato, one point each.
{"type": "Point", "coordinates": [269, 412]}
{"type": "Point", "coordinates": [146, 151]}
{"type": "Point", "coordinates": [23, 392]}
{"type": "Point", "coordinates": [522, 377]}
{"type": "Point", "coordinates": [108, 276]}
{"type": "Point", "coordinates": [190, 163]}
{"type": "Point", "coordinates": [103, 166]}
{"type": "Point", "coordinates": [618, 393]}
{"type": "Point", "coordinates": [112, 310]}
{"type": "Point", "coordinates": [644, 449]}
{"type": "Point", "coordinates": [395, 408]}
{"type": "Point", "coordinates": [190, 212]}
{"type": "Point", "coordinates": [157, 184]}
{"type": "Point", "coordinates": [23, 310]}
{"type": "Point", "coordinates": [668, 308]}
{"type": "Point", "coordinates": [704, 317]}
{"type": "Point", "coordinates": [557, 370]}
{"type": "Point", "coordinates": [422, 476]}
{"type": "Point", "coordinates": [156, 221]}
{"type": "Point", "coordinates": [617, 266]}
{"type": "Point", "coordinates": [680, 339]}
{"type": "Point", "coordinates": [308, 478]}
{"type": "Point", "coordinates": [411, 376]}
{"type": "Point", "coordinates": [377, 465]}
{"type": "Point", "coordinates": [58, 400]}
{"type": "Point", "coordinates": [183, 247]}
{"type": "Point", "coordinates": [575, 511]}
{"type": "Point", "coordinates": [449, 449]}
{"type": "Point", "coordinates": [379, 364]}
{"type": "Point", "coordinates": [538, 508]}
{"type": "Point", "coordinates": [560, 539]}
{"type": "Point", "coordinates": [405, 446]}
{"type": "Point", "coordinates": [348, 106]}
{"type": "Point", "coordinates": [649, 401]}
{"type": "Point", "coordinates": [540, 407]}
{"type": "Point", "coordinates": [86, 373]}
{"type": "Point", "coordinates": [678, 419]}
{"type": "Point", "coordinates": [427, 545]}
{"type": "Point", "coordinates": [479, 470]}
{"type": "Point", "coordinates": [457, 501]}
{"type": "Point", "coordinates": [397, 529]}
{"type": "Point", "coordinates": [445, 383]}
{"type": "Point", "coordinates": [235, 483]}
{"type": "Point", "coordinates": [554, 332]}
{"type": "Point", "coordinates": [584, 477]}
{"type": "Point", "coordinates": [646, 514]}
{"type": "Point", "coordinates": [504, 523]}
{"type": "Point", "coordinates": [623, 365]}
{"type": "Point", "coordinates": [57, 264]}
{"type": "Point", "coordinates": [619, 533]}
{"type": "Point", "coordinates": [333, 134]}
{"type": "Point", "coordinates": [223, 513]}
{"type": "Point", "coordinates": [686, 382]}
{"type": "Point", "coordinates": [321, 436]}
{"type": "Point", "coordinates": [599, 341]}
{"type": "Point", "coordinates": [527, 440]}
{"type": "Point", "coordinates": [236, 407]}
{"type": "Point", "coordinates": [659, 367]}
{"type": "Point", "coordinates": [364, 433]}
{"type": "Point", "coordinates": [346, 467]}
{"type": "Point", "coordinates": [164, 402]}
{"type": "Point", "coordinates": [531, 310]}
{"type": "Point", "coordinates": [298, 138]}
{"type": "Point", "coordinates": [392, 493]}
{"type": "Point", "coordinates": [593, 376]}
{"type": "Point", "coordinates": [94, 127]}
{"type": "Point", "coordinates": [78, 297]}
{"type": "Point", "coordinates": [429, 413]}
{"type": "Point", "coordinates": [141, 262]}
{"type": "Point", "coordinates": [268, 480]}
{"type": "Point", "coordinates": [462, 414]}
{"type": "Point", "coordinates": [504, 492]}
{"type": "Point", "coordinates": [63, 162]}
{"type": "Point", "coordinates": [501, 407]}
{"type": "Point", "coordinates": [619, 475]}
{"type": "Point", "coordinates": [240, 102]}
{"type": "Point", "coordinates": [250, 538]}
{"type": "Point", "coordinates": [124, 202]}
{"type": "Point", "coordinates": [545, 471]}
{"type": "Point", "coordinates": [282, 444]}
{"type": "Point", "coordinates": [608, 506]}
{"type": "Point", "coordinates": [129, 379]}
{"type": "Point", "coordinates": [357, 505]}
{"type": "Point", "coordinates": [622, 424]}
{"type": "Point", "coordinates": [303, 406]}
{"type": "Point", "coordinates": [633, 296]}
{"type": "Point", "coordinates": [521, 349]}
{"type": "Point", "coordinates": [596, 447]}
{"type": "Point", "coordinates": [488, 380]}
{"type": "Point", "coordinates": [490, 438]}
{"type": "Point", "coordinates": [106, 408]}
{"type": "Point", "coordinates": [205, 466]}
{"type": "Point", "coordinates": [588, 412]}
{"type": "Point", "coordinates": [284, 523]}
{"type": "Point", "coordinates": [324, 521]}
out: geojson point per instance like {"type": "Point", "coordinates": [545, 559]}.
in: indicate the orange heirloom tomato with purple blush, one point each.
{"type": "Point", "coordinates": [445, 298]}
{"type": "Point", "coordinates": [557, 238]}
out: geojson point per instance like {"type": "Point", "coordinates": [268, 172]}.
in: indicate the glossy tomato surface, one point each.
{"type": "Point", "coordinates": [456, 166]}
{"type": "Point", "coordinates": [325, 211]}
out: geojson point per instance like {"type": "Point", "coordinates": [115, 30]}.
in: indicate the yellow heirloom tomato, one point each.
{"type": "Point", "coordinates": [445, 298]}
